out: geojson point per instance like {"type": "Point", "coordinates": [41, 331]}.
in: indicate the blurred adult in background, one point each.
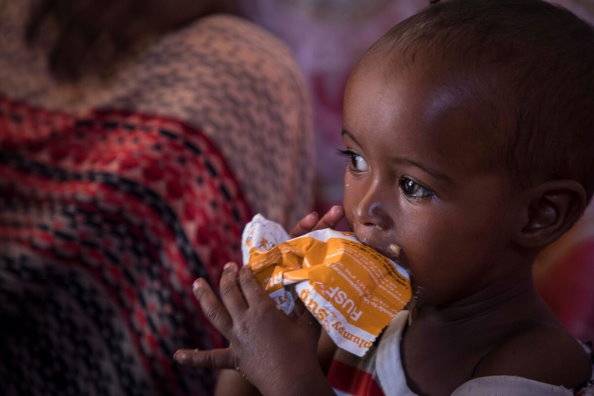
{"type": "Point", "coordinates": [136, 138]}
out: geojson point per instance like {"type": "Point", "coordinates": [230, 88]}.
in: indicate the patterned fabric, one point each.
{"type": "Point", "coordinates": [105, 222]}
{"type": "Point", "coordinates": [353, 380]}
{"type": "Point", "coordinates": [222, 74]}
{"type": "Point", "coordinates": [106, 216]}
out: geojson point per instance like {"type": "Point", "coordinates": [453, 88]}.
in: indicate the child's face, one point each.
{"type": "Point", "coordinates": [418, 177]}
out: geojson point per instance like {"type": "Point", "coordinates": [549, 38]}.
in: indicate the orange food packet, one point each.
{"type": "Point", "coordinates": [352, 290]}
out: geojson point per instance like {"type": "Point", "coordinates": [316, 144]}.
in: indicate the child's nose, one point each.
{"type": "Point", "coordinates": [371, 212]}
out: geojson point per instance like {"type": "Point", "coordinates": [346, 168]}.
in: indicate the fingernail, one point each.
{"type": "Point", "coordinates": [231, 266]}
{"type": "Point", "coordinates": [179, 355]}
{"type": "Point", "coordinates": [197, 285]}
{"type": "Point", "coordinates": [335, 209]}
{"type": "Point", "coordinates": [312, 216]}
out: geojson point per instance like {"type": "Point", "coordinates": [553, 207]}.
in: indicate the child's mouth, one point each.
{"type": "Point", "coordinates": [392, 251]}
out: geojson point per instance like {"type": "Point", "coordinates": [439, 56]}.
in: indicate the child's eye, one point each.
{"type": "Point", "coordinates": [357, 162]}
{"type": "Point", "coordinates": [413, 189]}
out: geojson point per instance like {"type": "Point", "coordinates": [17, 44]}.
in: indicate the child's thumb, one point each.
{"type": "Point", "coordinates": [306, 319]}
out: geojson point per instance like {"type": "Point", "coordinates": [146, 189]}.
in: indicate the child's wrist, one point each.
{"type": "Point", "coordinates": [311, 381]}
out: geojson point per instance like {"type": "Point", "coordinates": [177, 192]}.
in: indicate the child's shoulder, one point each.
{"type": "Point", "coordinates": [544, 353]}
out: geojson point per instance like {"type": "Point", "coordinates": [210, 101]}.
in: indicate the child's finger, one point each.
{"type": "Point", "coordinates": [251, 289]}
{"type": "Point", "coordinates": [307, 320]}
{"type": "Point", "coordinates": [211, 306]}
{"type": "Point", "coordinates": [305, 225]}
{"type": "Point", "coordinates": [213, 359]}
{"type": "Point", "coordinates": [299, 308]}
{"type": "Point", "coordinates": [230, 292]}
{"type": "Point", "coordinates": [331, 218]}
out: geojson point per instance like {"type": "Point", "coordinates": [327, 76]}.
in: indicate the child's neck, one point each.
{"type": "Point", "coordinates": [506, 299]}
{"type": "Point", "coordinates": [443, 344]}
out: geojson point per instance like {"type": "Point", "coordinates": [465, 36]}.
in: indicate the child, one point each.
{"type": "Point", "coordinates": [469, 128]}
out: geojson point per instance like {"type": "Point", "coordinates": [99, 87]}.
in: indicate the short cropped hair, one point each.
{"type": "Point", "coordinates": [542, 59]}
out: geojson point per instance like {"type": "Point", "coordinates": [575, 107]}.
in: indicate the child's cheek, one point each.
{"type": "Point", "coordinates": [351, 198]}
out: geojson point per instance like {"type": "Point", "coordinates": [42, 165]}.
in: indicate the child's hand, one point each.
{"type": "Point", "coordinates": [275, 352]}
{"type": "Point", "coordinates": [313, 222]}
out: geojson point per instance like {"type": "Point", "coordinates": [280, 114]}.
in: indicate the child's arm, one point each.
{"type": "Point", "coordinates": [276, 353]}
{"type": "Point", "coordinates": [231, 383]}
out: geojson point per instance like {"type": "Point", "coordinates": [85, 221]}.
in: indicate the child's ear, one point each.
{"type": "Point", "coordinates": [550, 210]}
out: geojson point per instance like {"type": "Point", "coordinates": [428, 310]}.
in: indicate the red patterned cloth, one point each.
{"type": "Point", "coordinates": [105, 221]}
{"type": "Point", "coordinates": [349, 380]}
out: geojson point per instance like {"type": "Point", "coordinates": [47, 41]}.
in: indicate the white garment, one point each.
{"type": "Point", "coordinates": [507, 385]}
{"type": "Point", "coordinates": [388, 363]}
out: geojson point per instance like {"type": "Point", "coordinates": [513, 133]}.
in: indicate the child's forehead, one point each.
{"type": "Point", "coordinates": [428, 104]}
{"type": "Point", "coordinates": [426, 89]}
